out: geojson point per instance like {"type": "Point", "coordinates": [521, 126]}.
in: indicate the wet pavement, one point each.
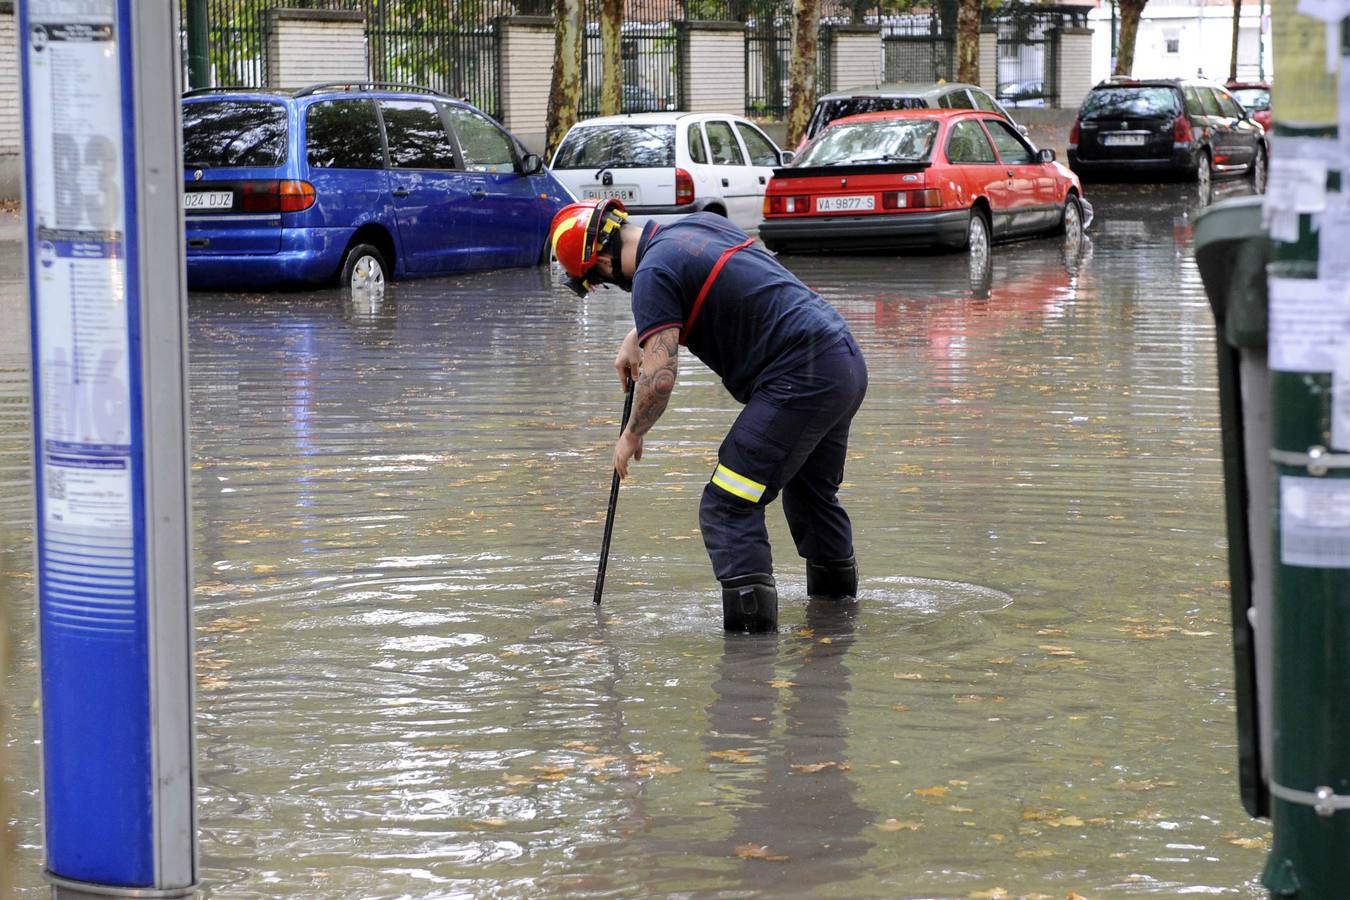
{"type": "Point", "coordinates": [405, 691]}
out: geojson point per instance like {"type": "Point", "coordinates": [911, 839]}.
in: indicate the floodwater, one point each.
{"type": "Point", "coordinates": [404, 689]}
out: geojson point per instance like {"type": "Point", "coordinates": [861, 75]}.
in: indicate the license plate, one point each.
{"type": "Point", "coordinates": [208, 200]}
{"type": "Point", "coordinates": [627, 195]}
{"type": "Point", "coordinates": [845, 204]}
{"type": "Point", "coordinates": [1123, 140]}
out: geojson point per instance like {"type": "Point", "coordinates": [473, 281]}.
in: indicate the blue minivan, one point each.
{"type": "Point", "coordinates": [353, 184]}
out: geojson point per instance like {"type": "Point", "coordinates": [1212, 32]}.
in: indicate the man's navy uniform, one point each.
{"type": "Point", "coordinates": [788, 356]}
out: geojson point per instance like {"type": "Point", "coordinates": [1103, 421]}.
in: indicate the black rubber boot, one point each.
{"type": "Point", "coordinates": [750, 603]}
{"type": "Point", "coordinates": [832, 579]}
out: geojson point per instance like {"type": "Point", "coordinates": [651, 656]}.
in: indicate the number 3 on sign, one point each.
{"type": "Point", "coordinates": [86, 181]}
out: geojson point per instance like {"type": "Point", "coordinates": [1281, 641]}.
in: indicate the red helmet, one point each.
{"type": "Point", "coordinates": [579, 232]}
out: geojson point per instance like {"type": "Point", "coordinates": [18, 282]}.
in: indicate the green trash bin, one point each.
{"type": "Point", "coordinates": [1232, 251]}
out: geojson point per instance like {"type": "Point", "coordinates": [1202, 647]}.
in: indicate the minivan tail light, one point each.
{"type": "Point", "coordinates": [275, 196]}
{"type": "Point", "coordinates": [1181, 131]}
{"type": "Point", "coordinates": [1073, 134]}
{"type": "Point", "coordinates": [684, 188]}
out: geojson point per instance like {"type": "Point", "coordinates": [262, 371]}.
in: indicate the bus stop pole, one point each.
{"type": "Point", "coordinates": [100, 88]}
{"type": "Point", "coordinates": [1309, 354]}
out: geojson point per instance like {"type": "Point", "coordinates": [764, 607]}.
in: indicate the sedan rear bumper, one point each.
{"type": "Point", "coordinates": [881, 231]}
{"type": "Point", "coordinates": [1181, 163]}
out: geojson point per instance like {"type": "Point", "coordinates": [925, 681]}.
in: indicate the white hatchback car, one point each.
{"type": "Point", "coordinates": [667, 164]}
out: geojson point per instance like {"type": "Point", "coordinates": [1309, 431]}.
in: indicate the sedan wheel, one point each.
{"type": "Point", "coordinates": [1203, 176]}
{"type": "Point", "coordinates": [1258, 171]}
{"type": "Point", "coordinates": [977, 240]}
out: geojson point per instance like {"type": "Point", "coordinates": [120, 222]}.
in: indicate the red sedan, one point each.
{"type": "Point", "coordinates": [1255, 98]}
{"type": "Point", "coordinates": [922, 177]}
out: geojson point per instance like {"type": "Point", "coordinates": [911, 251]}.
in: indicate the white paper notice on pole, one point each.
{"type": "Point", "coordinates": [1309, 324]}
{"type": "Point", "coordinates": [1340, 407]}
{"type": "Point", "coordinates": [1315, 522]}
{"type": "Point", "coordinates": [80, 277]}
{"type": "Point", "coordinates": [1333, 239]}
{"type": "Point", "coordinates": [1326, 10]}
{"type": "Point", "coordinates": [1297, 184]}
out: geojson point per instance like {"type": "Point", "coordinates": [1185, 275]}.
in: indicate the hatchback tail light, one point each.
{"type": "Point", "coordinates": [1181, 131]}
{"type": "Point", "coordinates": [275, 196]}
{"type": "Point", "coordinates": [684, 188]}
{"type": "Point", "coordinates": [929, 199]}
{"type": "Point", "coordinates": [1073, 134]}
{"type": "Point", "coordinates": [779, 205]}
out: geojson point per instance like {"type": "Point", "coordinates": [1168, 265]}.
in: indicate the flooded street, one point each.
{"type": "Point", "coordinates": [404, 689]}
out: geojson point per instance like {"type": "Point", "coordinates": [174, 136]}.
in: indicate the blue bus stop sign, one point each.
{"type": "Point", "coordinates": [102, 187]}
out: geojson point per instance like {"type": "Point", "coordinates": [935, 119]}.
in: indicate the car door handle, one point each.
{"type": "Point", "coordinates": [761, 179]}
{"type": "Point", "coordinates": [478, 194]}
{"type": "Point", "coordinates": [401, 192]}
{"type": "Point", "coordinates": [725, 183]}
{"type": "Point", "coordinates": [1010, 173]}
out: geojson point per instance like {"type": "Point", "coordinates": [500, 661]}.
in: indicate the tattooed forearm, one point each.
{"type": "Point", "coordinates": [660, 364]}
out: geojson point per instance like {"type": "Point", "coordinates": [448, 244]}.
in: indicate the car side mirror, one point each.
{"type": "Point", "coordinates": [1047, 155]}
{"type": "Point", "coordinates": [531, 164]}
{"type": "Point", "coordinates": [785, 157]}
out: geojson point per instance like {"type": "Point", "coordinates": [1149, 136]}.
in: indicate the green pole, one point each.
{"type": "Point", "coordinates": [1309, 350]}
{"type": "Point", "coordinates": [199, 63]}
{"type": "Point", "coordinates": [1261, 43]}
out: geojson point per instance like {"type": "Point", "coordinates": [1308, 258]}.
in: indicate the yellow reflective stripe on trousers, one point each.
{"type": "Point", "coordinates": [737, 485]}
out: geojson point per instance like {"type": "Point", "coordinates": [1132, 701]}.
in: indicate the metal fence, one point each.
{"type": "Point", "coordinates": [918, 47]}
{"type": "Point", "coordinates": [1028, 52]}
{"type": "Point", "coordinates": [648, 53]}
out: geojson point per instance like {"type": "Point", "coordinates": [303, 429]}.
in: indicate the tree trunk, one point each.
{"type": "Point", "coordinates": [802, 69]}
{"type": "Point", "coordinates": [611, 32]}
{"type": "Point", "coordinates": [968, 42]}
{"type": "Point", "coordinates": [1130, 12]}
{"type": "Point", "coordinates": [564, 96]}
{"type": "Point", "coordinates": [1232, 62]}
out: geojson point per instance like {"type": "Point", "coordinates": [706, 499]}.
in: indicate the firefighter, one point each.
{"type": "Point", "coordinates": [780, 349]}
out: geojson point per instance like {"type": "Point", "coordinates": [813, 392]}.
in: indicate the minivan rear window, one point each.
{"type": "Point", "coordinates": [1137, 102]}
{"type": "Point", "coordinates": [234, 133]}
{"type": "Point", "coordinates": [618, 147]}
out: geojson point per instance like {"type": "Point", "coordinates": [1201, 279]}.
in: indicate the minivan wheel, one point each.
{"type": "Point", "coordinates": [363, 270]}
{"type": "Point", "coordinates": [1258, 170]}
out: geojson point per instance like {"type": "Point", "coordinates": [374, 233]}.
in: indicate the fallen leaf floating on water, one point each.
{"type": "Point", "coordinates": [551, 773]}
{"type": "Point", "coordinates": [738, 756]}
{"type": "Point", "coordinates": [898, 825]}
{"type": "Point", "coordinates": [909, 676]}
{"type": "Point", "coordinates": [781, 683]}
{"type": "Point", "coordinates": [979, 698]}
{"type": "Point", "coordinates": [997, 893]}
{"type": "Point", "coordinates": [492, 823]}
{"type": "Point", "coordinates": [758, 851]}
{"type": "Point", "coordinates": [1056, 650]}
{"type": "Point", "coordinates": [938, 791]}
{"type": "Point", "coordinates": [812, 768]}
{"type": "Point", "coordinates": [649, 769]}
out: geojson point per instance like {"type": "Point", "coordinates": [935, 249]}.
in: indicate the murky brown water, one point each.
{"type": "Point", "coordinates": [405, 690]}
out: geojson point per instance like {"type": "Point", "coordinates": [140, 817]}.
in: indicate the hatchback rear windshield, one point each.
{"type": "Point", "coordinates": [1136, 102]}
{"type": "Point", "coordinates": [863, 143]}
{"type": "Point", "coordinates": [224, 133]}
{"type": "Point", "coordinates": [618, 147]}
{"type": "Point", "coordinates": [827, 111]}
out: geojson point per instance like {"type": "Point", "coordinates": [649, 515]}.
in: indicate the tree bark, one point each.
{"type": "Point", "coordinates": [611, 32]}
{"type": "Point", "coordinates": [1232, 62]}
{"type": "Point", "coordinates": [802, 69]}
{"type": "Point", "coordinates": [968, 41]}
{"type": "Point", "coordinates": [1130, 13]}
{"type": "Point", "coordinates": [564, 96]}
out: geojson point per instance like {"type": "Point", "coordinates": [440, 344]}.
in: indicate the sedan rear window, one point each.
{"type": "Point", "coordinates": [895, 140]}
{"type": "Point", "coordinates": [618, 147]}
{"type": "Point", "coordinates": [1135, 102]}
{"type": "Point", "coordinates": [827, 111]}
{"type": "Point", "coordinates": [226, 133]}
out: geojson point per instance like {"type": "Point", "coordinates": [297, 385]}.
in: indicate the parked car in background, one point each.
{"type": "Point", "coordinates": [900, 95]}
{"type": "Point", "coordinates": [634, 98]}
{"type": "Point", "coordinates": [355, 184]}
{"type": "Point", "coordinates": [953, 178]}
{"type": "Point", "coordinates": [665, 165]}
{"type": "Point", "coordinates": [1255, 99]}
{"type": "Point", "coordinates": [1166, 127]}
{"type": "Point", "coordinates": [1022, 93]}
